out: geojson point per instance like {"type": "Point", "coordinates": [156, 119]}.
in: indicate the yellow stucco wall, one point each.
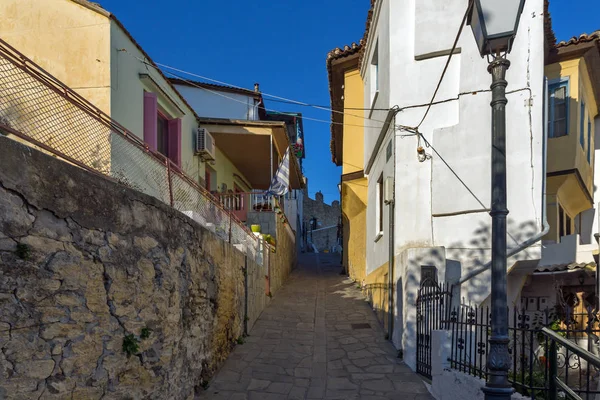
{"type": "Point", "coordinates": [353, 144]}
{"type": "Point", "coordinates": [354, 211]}
{"type": "Point", "coordinates": [375, 287]}
{"type": "Point", "coordinates": [566, 153]}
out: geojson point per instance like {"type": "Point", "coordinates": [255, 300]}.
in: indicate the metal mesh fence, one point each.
{"type": "Point", "coordinates": [37, 108]}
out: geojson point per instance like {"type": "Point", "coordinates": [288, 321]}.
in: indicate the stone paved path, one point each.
{"type": "Point", "coordinates": [304, 346]}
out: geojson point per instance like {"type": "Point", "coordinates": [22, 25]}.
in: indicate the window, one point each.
{"type": "Point", "coordinates": [558, 122]}
{"type": "Point", "coordinates": [162, 130]}
{"type": "Point", "coordinates": [589, 138]}
{"type": "Point", "coordinates": [161, 133]}
{"type": "Point", "coordinates": [565, 224]}
{"type": "Point", "coordinates": [375, 74]}
{"type": "Point", "coordinates": [379, 211]}
{"type": "Point", "coordinates": [582, 124]}
{"type": "Point", "coordinates": [561, 222]}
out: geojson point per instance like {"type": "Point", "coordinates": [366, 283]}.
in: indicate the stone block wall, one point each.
{"type": "Point", "coordinates": [85, 263]}
{"type": "Point", "coordinates": [326, 215]}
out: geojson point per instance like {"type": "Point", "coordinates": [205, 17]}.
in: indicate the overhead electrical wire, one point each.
{"type": "Point", "coordinates": [281, 99]}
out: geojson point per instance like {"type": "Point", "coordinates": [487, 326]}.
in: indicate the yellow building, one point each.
{"type": "Point", "coordinates": [573, 74]}
{"type": "Point", "coordinates": [347, 150]}
{"type": "Point", "coordinates": [89, 50]}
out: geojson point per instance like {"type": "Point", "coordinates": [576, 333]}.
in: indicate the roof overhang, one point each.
{"type": "Point", "coordinates": [247, 144]}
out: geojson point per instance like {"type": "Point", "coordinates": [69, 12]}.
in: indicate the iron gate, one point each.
{"type": "Point", "coordinates": [433, 308]}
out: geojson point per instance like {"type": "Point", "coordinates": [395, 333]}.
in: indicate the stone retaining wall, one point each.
{"type": "Point", "coordinates": [88, 266]}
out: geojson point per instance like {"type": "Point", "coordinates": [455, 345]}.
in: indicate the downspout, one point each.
{"type": "Point", "coordinates": [391, 261]}
{"type": "Point", "coordinates": [271, 150]}
{"type": "Point", "coordinates": [545, 226]}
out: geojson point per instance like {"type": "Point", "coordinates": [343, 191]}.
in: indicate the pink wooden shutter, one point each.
{"type": "Point", "coordinates": [150, 115]}
{"type": "Point", "coordinates": [175, 141]}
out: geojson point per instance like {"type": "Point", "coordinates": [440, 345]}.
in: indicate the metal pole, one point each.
{"type": "Point", "coordinates": [497, 386]}
{"type": "Point", "coordinates": [271, 165]}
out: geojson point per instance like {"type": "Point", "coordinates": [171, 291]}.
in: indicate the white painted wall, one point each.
{"type": "Point", "coordinates": [448, 383]}
{"type": "Point", "coordinates": [590, 217]}
{"type": "Point", "coordinates": [212, 103]}
{"type": "Point", "coordinates": [433, 209]}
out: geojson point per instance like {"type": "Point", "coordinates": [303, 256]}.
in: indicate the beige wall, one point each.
{"type": "Point", "coordinates": [67, 40]}
{"type": "Point", "coordinates": [353, 144]}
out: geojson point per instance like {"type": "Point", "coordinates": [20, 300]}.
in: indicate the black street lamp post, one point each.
{"type": "Point", "coordinates": [494, 25]}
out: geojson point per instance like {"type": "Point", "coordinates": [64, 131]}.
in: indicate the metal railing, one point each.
{"type": "Point", "coordinates": [37, 108]}
{"type": "Point", "coordinates": [546, 347]}
{"type": "Point", "coordinates": [239, 204]}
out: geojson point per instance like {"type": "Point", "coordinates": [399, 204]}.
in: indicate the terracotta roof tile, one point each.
{"type": "Point", "coordinates": [348, 50]}
{"type": "Point", "coordinates": [230, 89]}
{"type": "Point", "coordinates": [566, 267]}
{"type": "Point", "coordinates": [583, 38]}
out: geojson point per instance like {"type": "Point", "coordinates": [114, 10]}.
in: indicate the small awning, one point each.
{"type": "Point", "coordinates": [247, 144]}
{"type": "Point", "coordinates": [590, 266]}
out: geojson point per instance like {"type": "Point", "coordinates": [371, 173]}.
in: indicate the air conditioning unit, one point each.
{"type": "Point", "coordinates": [205, 145]}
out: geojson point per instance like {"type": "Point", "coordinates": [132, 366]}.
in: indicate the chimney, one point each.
{"type": "Point", "coordinates": [257, 88]}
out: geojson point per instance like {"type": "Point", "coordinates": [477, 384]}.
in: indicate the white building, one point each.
{"type": "Point", "coordinates": [439, 227]}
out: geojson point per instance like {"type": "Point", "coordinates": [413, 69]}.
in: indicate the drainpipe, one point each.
{"type": "Point", "coordinates": [271, 165]}
{"type": "Point", "coordinates": [545, 226]}
{"type": "Point", "coordinates": [391, 261]}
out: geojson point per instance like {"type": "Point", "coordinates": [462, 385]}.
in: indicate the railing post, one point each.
{"type": "Point", "coordinates": [553, 371]}
{"type": "Point", "coordinates": [169, 181]}
{"type": "Point", "coordinates": [230, 221]}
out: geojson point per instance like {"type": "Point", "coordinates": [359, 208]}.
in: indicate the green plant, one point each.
{"type": "Point", "coordinates": [537, 378]}
{"type": "Point", "coordinates": [130, 345]}
{"type": "Point", "coordinates": [240, 340]}
{"type": "Point", "coordinates": [145, 334]}
{"type": "Point", "coordinates": [23, 251]}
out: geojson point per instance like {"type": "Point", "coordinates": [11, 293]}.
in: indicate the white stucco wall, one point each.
{"type": "Point", "coordinates": [448, 383]}
{"type": "Point", "coordinates": [433, 210]}
{"type": "Point", "coordinates": [590, 217]}
{"type": "Point", "coordinates": [213, 103]}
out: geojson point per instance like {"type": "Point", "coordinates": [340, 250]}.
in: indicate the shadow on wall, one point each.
{"type": "Point", "coordinates": [445, 265]}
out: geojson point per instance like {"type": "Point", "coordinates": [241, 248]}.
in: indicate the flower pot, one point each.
{"type": "Point", "coordinates": [255, 228]}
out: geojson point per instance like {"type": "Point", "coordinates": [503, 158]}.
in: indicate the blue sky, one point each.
{"type": "Point", "coordinates": [283, 46]}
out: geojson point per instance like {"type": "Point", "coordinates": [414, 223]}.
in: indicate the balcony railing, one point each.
{"type": "Point", "coordinates": [242, 203]}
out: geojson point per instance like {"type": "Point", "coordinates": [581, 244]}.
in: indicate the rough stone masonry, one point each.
{"type": "Point", "coordinates": [108, 293]}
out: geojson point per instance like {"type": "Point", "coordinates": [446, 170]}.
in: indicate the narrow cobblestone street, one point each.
{"type": "Point", "coordinates": [312, 342]}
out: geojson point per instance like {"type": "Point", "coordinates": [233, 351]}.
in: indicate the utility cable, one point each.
{"type": "Point", "coordinates": [194, 84]}
{"type": "Point", "coordinates": [291, 101]}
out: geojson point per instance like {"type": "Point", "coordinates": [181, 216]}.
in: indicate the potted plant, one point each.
{"type": "Point", "coordinates": [255, 228]}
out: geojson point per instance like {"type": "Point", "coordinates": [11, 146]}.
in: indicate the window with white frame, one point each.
{"type": "Point", "coordinates": [375, 74]}
{"type": "Point", "coordinates": [558, 108]}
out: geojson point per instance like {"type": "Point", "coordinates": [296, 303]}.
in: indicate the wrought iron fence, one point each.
{"type": "Point", "coordinates": [534, 363]}
{"type": "Point", "coordinates": [37, 108]}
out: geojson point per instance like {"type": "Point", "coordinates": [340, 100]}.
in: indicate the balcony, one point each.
{"type": "Point", "coordinates": [240, 204]}
{"type": "Point", "coordinates": [255, 148]}
{"type": "Point", "coordinates": [566, 255]}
